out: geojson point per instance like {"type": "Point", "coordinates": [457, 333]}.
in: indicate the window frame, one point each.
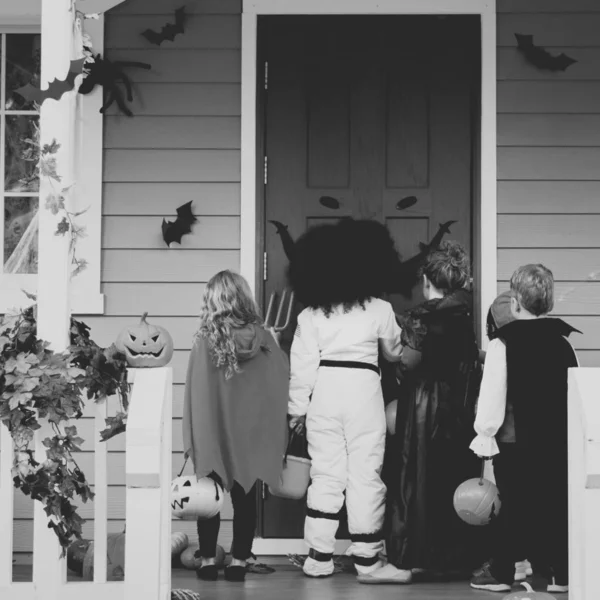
{"type": "Point", "coordinates": [85, 292]}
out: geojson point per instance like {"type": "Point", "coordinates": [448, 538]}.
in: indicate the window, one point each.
{"type": "Point", "coordinates": [20, 53]}
{"type": "Point", "coordinates": [19, 138]}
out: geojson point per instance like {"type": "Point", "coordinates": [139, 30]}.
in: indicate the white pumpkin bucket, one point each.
{"type": "Point", "coordinates": [295, 476]}
{"type": "Point", "coordinates": [193, 498]}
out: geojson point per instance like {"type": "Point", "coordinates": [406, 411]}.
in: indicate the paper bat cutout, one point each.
{"type": "Point", "coordinates": [169, 31]}
{"type": "Point", "coordinates": [540, 57]}
{"type": "Point", "coordinates": [286, 238]}
{"type": "Point", "coordinates": [173, 231]}
{"type": "Point", "coordinates": [56, 88]}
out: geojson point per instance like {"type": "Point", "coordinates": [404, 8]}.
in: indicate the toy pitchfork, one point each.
{"type": "Point", "coordinates": [277, 327]}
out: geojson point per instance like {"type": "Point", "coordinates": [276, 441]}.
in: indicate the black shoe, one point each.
{"type": "Point", "coordinates": [484, 580]}
{"type": "Point", "coordinates": [235, 573]}
{"type": "Point", "coordinates": [208, 573]}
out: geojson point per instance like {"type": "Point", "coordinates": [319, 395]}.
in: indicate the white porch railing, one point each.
{"type": "Point", "coordinates": [584, 483]}
{"type": "Point", "coordinates": [148, 511]}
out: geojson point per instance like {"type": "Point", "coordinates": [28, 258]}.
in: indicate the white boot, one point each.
{"type": "Point", "coordinates": [317, 568]}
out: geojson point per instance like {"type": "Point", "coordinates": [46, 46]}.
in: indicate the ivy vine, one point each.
{"type": "Point", "coordinates": [56, 204]}
{"type": "Point", "coordinates": [38, 385]}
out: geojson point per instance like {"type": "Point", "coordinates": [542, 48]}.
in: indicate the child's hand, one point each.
{"type": "Point", "coordinates": [297, 424]}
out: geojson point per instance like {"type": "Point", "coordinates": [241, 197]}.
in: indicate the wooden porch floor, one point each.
{"type": "Point", "coordinates": [288, 582]}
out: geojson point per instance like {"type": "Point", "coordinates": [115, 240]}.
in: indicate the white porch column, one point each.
{"type": "Point", "coordinates": [57, 121]}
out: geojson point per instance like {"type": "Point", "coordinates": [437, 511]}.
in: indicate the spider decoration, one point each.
{"type": "Point", "coordinates": [108, 74]}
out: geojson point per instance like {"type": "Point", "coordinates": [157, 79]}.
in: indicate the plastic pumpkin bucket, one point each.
{"type": "Point", "coordinates": [295, 475]}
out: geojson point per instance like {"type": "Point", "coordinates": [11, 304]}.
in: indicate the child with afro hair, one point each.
{"type": "Point", "coordinates": [338, 272]}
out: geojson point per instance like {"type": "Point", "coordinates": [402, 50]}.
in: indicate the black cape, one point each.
{"type": "Point", "coordinates": [429, 456]}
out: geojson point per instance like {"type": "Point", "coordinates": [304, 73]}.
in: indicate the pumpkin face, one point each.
{"type": "Point", "coordinates": [145, 345]}
{"type": "Point", "coordinates": [193, 498]}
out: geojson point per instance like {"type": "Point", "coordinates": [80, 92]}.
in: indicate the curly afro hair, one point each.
{"type": "Point", "coordinates": [343, 264]}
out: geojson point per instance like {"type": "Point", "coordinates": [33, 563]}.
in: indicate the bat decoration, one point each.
{"type": "Point", "coordinates": [56, 88]}
{"type": "Point", "coordinates": [329, 202]}
{"type": "Point", "coordinates": [406, 202]}
{"type": "Point", "coordinates": [169, 31]}
{"type": "Point", "coordinates": [540, 57]}
{"type": "Point", "coordinates": [173, 231]}
{"type": "Point", "coordinates": [286, 238]}
{"type": "Point", "coordinates": [108, 74]}
{"type": "Point", "coordinates": [408, 271]}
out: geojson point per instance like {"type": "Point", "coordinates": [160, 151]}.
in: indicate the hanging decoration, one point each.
{"type": "Point", "coordinates": [286, 238]}
{"type": "Point", "coordinates": [329, 202]}
{"type": "Point", "coordinates": [173, 231]}
{"type": "Point", "coordinates": [56, 88]}
{"type": "Point", "coordinates": [39, 386]}
{"type": "Point", "coordinates": [109, 74]}
{"type": "Point", "coordinates": [168, 31]}
{"type": "Point", "coordinates": [539, 57]}
{"type": "Point", "coordinates": [407, 202]}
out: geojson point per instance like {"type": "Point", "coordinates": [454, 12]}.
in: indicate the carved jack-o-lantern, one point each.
{"type": "Point", "coordinates": [145, 345]}
{"type": "Point", "coordinates": [193, 498]}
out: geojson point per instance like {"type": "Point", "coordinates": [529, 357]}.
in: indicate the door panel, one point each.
{"type": "Point", "coordinates": [367, 111]}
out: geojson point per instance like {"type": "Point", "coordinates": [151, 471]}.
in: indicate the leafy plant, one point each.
{"type": "Point", "coordinates": [38, 385]}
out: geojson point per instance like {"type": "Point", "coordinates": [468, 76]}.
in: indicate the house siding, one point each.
{"type": "Point", "coordinates": [549, 157]}
{"type": "Point", "coordinates": [184, 144]}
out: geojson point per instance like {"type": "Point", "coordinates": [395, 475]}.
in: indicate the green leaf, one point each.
{"type": "Point", "coordinates": [48, 168]}
{"type": "Point", "coordinates": [51, 148]}
{"type": "Point", "coordinates": [55, 203]}
{"type": "Point", "coordinates": [63, 227]}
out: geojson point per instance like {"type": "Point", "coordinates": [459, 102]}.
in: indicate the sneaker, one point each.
{"type": "Point", "coordinates": [556, 587]}
{"type": "Point", "coordinates": [318, 568]}
{"type": "Point", "coordinates": [523, 570]}
{"type": "Point", "coordinates": [486, 581]}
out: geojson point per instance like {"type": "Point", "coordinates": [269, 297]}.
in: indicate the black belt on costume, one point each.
{"type": "Point", "coordinates": [349, 364]}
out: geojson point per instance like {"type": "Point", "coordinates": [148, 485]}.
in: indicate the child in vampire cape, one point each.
{"type": "Point", "coordinates": [234, 417]}
{"type": "Point", "coordinates": [338, 273]}
{"type": "Point", "coordinates": [522, 422]}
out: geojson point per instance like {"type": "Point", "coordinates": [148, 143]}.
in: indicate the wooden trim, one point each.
{"type": "Point", "coordinates": [371, 7]}
{"type": "Point", "coordinates": [248, 226]}
{"type": "Point", "coordinates": [487, 250]}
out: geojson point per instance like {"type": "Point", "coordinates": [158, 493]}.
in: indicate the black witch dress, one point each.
{"type": "Point", "coordinates": [429, 456]}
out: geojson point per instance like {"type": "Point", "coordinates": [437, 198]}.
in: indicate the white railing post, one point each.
{"type": "Point", "coordinates": [100, 493]}
{"type": "Point", "coordinates": [148, 481]}
{"type": "Point", "coordinates": [166, 477]}
{"type": "Point", "coordinates": [584, 483]}
{"type": "Point", "coordinates": [57, 121]}
{"type": "Point", "coordinates": [6, 502]}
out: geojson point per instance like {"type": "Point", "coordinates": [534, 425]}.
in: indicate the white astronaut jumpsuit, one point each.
{"type": "Point", "coordinates": [345, 422]}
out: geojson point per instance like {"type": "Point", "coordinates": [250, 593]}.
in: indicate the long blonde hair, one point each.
{"type": "Point", "coordinates": [227, 305]}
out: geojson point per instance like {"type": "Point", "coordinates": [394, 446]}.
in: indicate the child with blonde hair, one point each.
{"type": "Point", "coordinates": [234, 418]}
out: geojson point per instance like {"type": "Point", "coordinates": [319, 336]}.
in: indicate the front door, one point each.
{"type": "Point", "coordinates": [368, 117]}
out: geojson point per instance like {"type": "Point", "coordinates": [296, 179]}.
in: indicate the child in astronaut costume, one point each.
{"type": "Point", "coordinates": [335, 387]}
